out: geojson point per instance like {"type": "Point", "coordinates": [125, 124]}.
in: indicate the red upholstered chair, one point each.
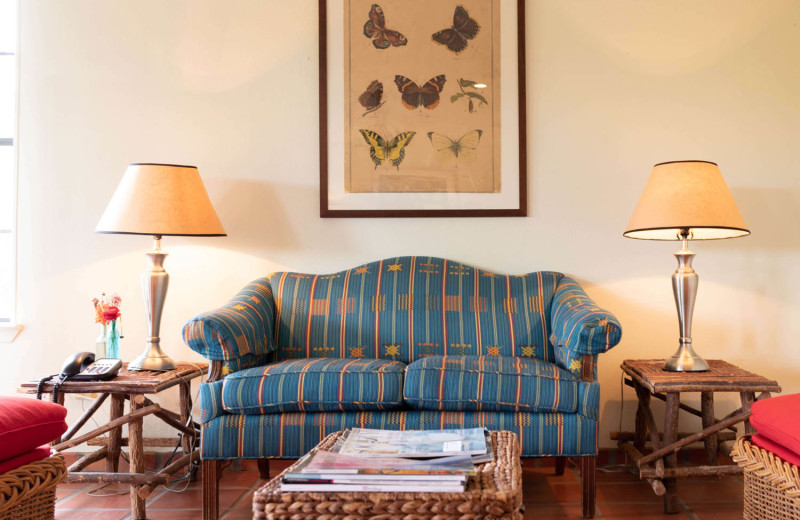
{"type": "Point", "coordinates": [770, 460]}
{"type": "Point", "coordinates": [28, 474]}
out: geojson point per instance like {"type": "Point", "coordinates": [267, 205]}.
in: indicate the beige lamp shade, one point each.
{"type": "Point", "coordinates": [161, 199]}
{"type": "Point", "coordinates": [686, 195]}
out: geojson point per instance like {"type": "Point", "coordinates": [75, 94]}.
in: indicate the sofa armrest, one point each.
{"type": "Point", "coordinates": [210, 399]}
{"type": "Point", "coordinates": [578, 324]}
{"type": "Point", "coordinates": [242, 326]}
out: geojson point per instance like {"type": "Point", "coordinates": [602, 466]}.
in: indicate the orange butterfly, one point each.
{"type": "Point", "coordinates": [382, 37]}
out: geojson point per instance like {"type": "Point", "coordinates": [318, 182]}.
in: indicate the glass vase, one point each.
{"type": "Point", "coordinates": [100, 342]}
{"type": "Point", "coordinates": [112, 344]}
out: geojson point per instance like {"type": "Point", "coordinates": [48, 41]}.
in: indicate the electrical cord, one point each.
{"type": "Point", "coordinates": [193, 445]}
{"type": "Point", "coordinates": [187, 476]}
{"type": "Point", "coordinates": [618, 468]}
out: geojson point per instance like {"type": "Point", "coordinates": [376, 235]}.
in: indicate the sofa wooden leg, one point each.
{"type": "Point", "coordinates": [561, 464]}
{"type": "Point", "coordinates": [263, 469]}
{"type": "Point", "coordinates": [588, 483]}
{"type": "Point", "coordinates": [211, 471]}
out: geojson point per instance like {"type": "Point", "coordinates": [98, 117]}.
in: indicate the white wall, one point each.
{"type": "Point", "coordinates": [613, 87]}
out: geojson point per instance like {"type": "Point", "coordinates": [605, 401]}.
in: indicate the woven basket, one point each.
{"type": "Point", "coordinates": [29, 491]}
{"type": "Point", "coordinates": [771, 486]}
{"type": "Point", "coordinates": [495, 493]}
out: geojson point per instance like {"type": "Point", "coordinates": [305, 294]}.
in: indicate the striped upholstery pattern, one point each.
{"type": "Point", "coordinates": [490, 383]}
{"type": "Point", "coordinates": [589, 399]}
{"type": "Point", "coordinates": [243, 326]}
{"type": "Point", "coordinates": [579, 324]}
{"type": "Point", "coordinates": [406, 308]}
{"type": "Point", "coordinates": [315, 384]}
{"type": "Point", "coordinates": [210, 398]}
{"type": "Point", "coordinates": [290, 435]}
{"type": "Point", "coordinates": [487, 348]}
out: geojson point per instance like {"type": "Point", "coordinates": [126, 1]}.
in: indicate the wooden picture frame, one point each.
{"type": "Point", "coordinates": [395, 192]}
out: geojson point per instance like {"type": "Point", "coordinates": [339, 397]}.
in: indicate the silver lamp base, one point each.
{"type": "Point", "coordinates": [155, 281]}
{"type": "Point", "coordinates": [684, 288]}
{"type": "Point", "coordinates": [153, 358]}
{"type": "Point", "coordinates": [686, 360]}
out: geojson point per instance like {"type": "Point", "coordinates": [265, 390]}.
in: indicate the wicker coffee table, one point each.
{"type": "Point", "coordinates": [494, 493]}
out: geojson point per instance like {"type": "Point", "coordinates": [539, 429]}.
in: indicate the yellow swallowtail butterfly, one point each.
{"type": "Point", "coordinates": [381, 150]}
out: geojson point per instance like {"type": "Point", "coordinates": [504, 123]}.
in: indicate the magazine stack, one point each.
{"type": "Point", "coordinates": [431, 461]}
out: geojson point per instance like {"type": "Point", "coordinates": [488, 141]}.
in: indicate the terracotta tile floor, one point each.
{"type": "Point", "coordinates": [546, 496]}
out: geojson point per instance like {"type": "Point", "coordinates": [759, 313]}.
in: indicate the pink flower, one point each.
{"type": "Point", "coordinates": [112, 300]}
{"type": "Point", "coordinates": [111, 313]}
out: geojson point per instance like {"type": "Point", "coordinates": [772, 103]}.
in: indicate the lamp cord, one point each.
{"type": "Point", "coordinates": [187, 477]}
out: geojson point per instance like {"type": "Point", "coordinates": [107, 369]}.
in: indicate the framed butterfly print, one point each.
{"type": "Point", "coordinates": [422, 108]}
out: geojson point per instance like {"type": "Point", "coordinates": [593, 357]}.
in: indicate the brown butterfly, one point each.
{"type": "Point", "coordinates": [372, 98]}
{"type": "Point", "coordinates": [375, 28]}
{"type": "Point", "coordinates": [464, 28]}
{"type": "Point", "coordinates": [414, 96]}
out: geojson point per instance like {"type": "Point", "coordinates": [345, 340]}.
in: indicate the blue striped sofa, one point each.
{"type": "Point", "coordinates": [402, 343]}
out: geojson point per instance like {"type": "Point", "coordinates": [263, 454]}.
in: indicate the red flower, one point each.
{"type": "Point", "coordinates": [111, 313]}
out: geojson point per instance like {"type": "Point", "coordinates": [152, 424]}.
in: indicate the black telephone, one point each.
{"type": "Point", "coordinates": [76, 363]}
{"type": "Point", "coordinates": [81, 366]}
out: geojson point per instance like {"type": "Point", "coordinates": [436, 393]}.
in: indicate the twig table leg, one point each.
{"type": "Point", "coordinates": [186, 409]}
{"type": "Point", "coordinates": [115, 435]}
{"type": "Point", "coordinates": [641, 418]}
{"type": "Point", "coordinates": [747, 399]}
{"type": "Point", "coordinates": [671, 460]}
{"type": "Point", "coordinates": [712, 441]}
{"type": "Point", "coordinates": [136, 449]}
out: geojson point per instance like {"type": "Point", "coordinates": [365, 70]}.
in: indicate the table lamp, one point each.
{"type": "Point", "coordinates": [686, 200]}
{"type": "Point", "coordinates": [159, 200]}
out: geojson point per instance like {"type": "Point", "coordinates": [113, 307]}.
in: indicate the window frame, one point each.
{"type": "Point", "coordinates": [9, 329]}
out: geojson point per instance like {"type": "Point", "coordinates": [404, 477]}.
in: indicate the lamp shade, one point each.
{"type": "Point", "coordinates": [686, 195]}
{"type": "Point", "coordinates": [161, 199]}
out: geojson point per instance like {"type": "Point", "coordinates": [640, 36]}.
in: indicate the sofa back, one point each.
{"type": "Point", "coordinates": [406, 308]}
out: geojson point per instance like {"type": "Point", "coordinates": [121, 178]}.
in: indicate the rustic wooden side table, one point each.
{"type": "Point", "coordinates": [658, 464]}
{"type": "Point", "coordinates": [132, 386]}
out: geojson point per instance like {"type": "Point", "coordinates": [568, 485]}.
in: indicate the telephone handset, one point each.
{"type": "Point", "coordinates": [76, 363]}
{"type": "Point", "coordinates": [81, 366]}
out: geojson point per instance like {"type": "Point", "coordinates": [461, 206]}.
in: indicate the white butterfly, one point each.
{"type": "Point", "coordinates": [462, 149]}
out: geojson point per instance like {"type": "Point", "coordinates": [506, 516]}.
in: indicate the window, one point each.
{"type": "Point", "coordinates": [8, 155]}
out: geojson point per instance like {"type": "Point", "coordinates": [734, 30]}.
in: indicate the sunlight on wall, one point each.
{"type": "Point", "coordinates": [613, 88]}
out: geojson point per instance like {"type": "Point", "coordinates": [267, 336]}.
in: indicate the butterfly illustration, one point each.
{"type": "Point", "coordinates": [463, 148]}
{"type": "Point", "coordinates": [380, 150]}
{"type": "Point", "coordinates": [382, 37]}
{"type": "Point", "coordinates": [414, 96]}
{"type": "Point", "coordinates": [372, 98]}
{"type": "Point", "coordinates": [464, 28]}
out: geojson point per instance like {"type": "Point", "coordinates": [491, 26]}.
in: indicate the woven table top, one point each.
{"type": "Point", "coordinates": [495, 492]}
{"type": "Point", "coordinates": [721, 377]}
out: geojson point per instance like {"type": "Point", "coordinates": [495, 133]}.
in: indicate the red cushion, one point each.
{"type": "Point", "coordinates": [42, 452]}
{"type": "Point", "coordinates": [766, 444]}
{"type": "Point", "coordinates": [778, 419]}
{"type": "Point", "coordinates": [28, 423]}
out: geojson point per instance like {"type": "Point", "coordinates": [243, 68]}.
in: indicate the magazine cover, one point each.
{"type": "Point", "coordinates": [363, 442]}
{"type": "Point", "coordinates": [372, 488]}
{"type": "Point", "coordinates": [323, 463]}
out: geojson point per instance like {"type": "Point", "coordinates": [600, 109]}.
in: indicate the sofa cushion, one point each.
{"type": "Point", "coordinates": [42, 452]}
{"type": "Point", "coordinates": [27, 423]}
{"type": "Point", "coordinates": [778, 419]}
{"type": "Point", "coordinates": [315, 385]}
{"type": "Point", "coordinates": [489, 383]}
